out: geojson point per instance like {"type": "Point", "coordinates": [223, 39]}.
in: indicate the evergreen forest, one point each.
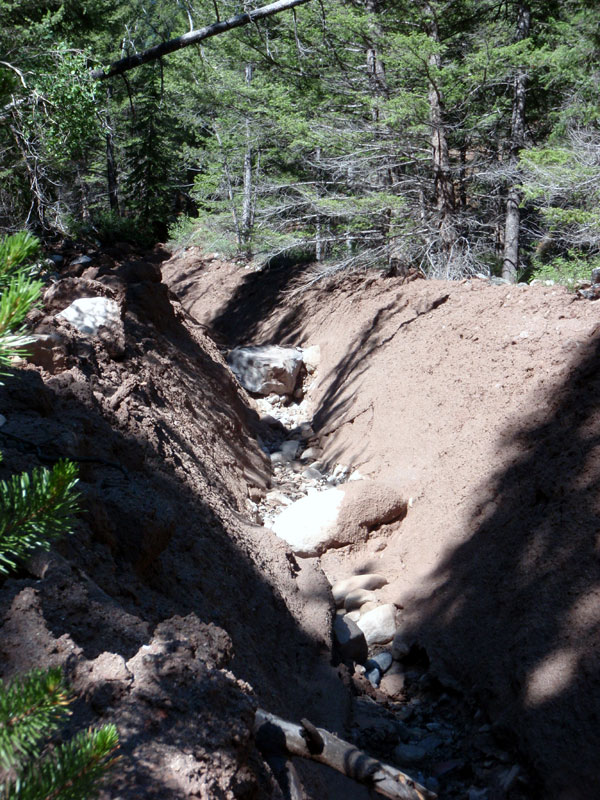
{"type": "Point", "coordinates": [451, 137]}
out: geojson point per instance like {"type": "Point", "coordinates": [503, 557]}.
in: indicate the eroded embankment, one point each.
{"type": "Point", "coordinates": [480, 401]}
{"type": "Point", "coordinates": [172, 615]}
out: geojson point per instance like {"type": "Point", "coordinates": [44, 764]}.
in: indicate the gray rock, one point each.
{"type": "Point", "coordinates": [306, 430]}
{"type": "Point", "coordinates": [409, 753]}
{"type": "Point", "coordinates": [371, 580]}
{"type": "Point", "coordinates": [56, 259]}
{"type": "Point", "coordinates": [382, 660]}
{"type": "Point", "coordinates": [266, 369]}
{"type": "Point", "coordinates": [311, 474]}
{"type": "Point", "coordinates": [400, 646]}
{"type": "Point", "coordinates": [373, 675]}
{"type": "Point", "coordinates": [350, 639]}
{"type": "Point", "coordinates": [311, 454]}
{"type": "Point", "coordinates": [596, 275]}
{"type": "Point", "coordinates": [81, 261]}
{"type": "Point", "coordinates": [379, 624]}
{"type": "Point", "coordinates": [89, 314]}
{"type": "Point", "coordinates": [289, 449]}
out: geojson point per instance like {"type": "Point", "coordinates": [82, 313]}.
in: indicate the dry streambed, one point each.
{"type": "Point", "coordinates": [402, 713]}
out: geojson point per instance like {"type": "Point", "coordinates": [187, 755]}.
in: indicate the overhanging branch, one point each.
{"type": "Point", "coordinates": [163, 49]}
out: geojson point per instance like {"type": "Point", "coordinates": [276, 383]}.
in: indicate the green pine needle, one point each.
{"type": "Point", "coordinates": [71, 772]}
{"type": "Point", "coordinates": [32, 707]}
{"type": "Point", "coordinates": [16, 253]}
{"type": "Point", "coordinates": [34, 510]}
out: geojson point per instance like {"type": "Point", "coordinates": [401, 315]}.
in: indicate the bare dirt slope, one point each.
{"type": "Point", "coordinates": [481, 401]}
{"type": "Point", "coordinates": [172, 615]}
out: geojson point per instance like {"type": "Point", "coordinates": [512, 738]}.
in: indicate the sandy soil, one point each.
{"type": "Point", "coordinates": [480, 401]}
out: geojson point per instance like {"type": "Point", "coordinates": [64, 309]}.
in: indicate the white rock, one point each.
{"type": "Point", "coordinates": [379, 624]}
{"type": "Point", "coordinates": [89, 314]}
{"type": "Point", "coordinates": [309, 524]}
{"type": "Point", "coordinates": [2, 420]}
{"type": "Point", "coordinates": [266, 369]}
{"type": "Point", "coordinates": [311, 357]}
{"type": "Point", "coordinates": [341, 589]}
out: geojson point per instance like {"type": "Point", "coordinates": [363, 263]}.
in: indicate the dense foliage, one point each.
{"type": "Point", "coordinates": [450, 136]}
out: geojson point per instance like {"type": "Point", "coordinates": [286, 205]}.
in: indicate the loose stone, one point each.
{"type": "Point", "coordinates": [379, 624]}
{"type": "Point", "coordinates": [382, 660]}
{"type": "Point", "coordinates": [311, 474]}
{"type": "Point", "coordinates": [358, 598]}
{"type": "Point", "coordinates": [350, 639]}
{"type": "Point", "coordinates": [342, 588]}
{"type": "Point", "coordinates": [373, 675]}
{"type": "Point", "coordinates": [400, 646]}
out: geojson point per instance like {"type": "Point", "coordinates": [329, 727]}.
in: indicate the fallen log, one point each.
{"type": "Point", "coordinates": [276, 736]}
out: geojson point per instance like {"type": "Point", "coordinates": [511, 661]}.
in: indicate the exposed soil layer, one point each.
{"type": "Point", "coordinates": [481, 403]}
{"type": "Point", "coordinates": [172, 614]}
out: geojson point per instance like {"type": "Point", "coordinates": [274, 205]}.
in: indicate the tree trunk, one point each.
{"type": "Point", "coordinates": [375, 65]}
{"type": "Point", "coordinates": [248, 190]}
{"type": "Point", "coordinates": [112, 180]}
{"type": "Point", "coordinates": [443, 186]}
{"type": "Point", "coordinates": [512, 225]}
{"type": "Point", "coordinates": [319, 244]}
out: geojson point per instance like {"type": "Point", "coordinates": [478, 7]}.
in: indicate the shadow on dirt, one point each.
{"type": "Point", "coordinates": [516, 608]}
{"type": "Point", "coordinates": [154, 547]}
{"type": "Point", "coordinates": [257, 296]}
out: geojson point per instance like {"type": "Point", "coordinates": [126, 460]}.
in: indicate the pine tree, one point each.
{"type": "Point", "coordinates": [34, 510]}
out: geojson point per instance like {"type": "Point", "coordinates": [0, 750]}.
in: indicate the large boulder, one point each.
{"type": "Point", "coordinates": [266, 369]}
{"type": "Point", "coordinates": [90, 314]}
{"type": "Point", "coordinates": [339, 516]}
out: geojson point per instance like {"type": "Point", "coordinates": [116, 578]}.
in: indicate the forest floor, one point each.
{"type": "Point", "coordinates": [175, 611]}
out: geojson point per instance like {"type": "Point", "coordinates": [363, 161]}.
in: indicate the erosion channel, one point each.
{"type": "Point", "coordinates": [398, 547]}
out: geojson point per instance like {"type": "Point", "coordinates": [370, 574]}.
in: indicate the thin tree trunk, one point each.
{"type": "Point", "coordinates": [512, 224]}
{"type": "Point", "coordinates": [319, 245]}
{"type": "Point", "coordinates": [375, 65]}
{"type": "Point", "coordinates": [112, 180]}
{"type": "Point", "coordinates": [440, 158]}
{"type": "Point", "coordinates": [248, 192]}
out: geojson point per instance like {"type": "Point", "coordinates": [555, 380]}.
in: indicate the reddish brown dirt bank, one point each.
{"type": "Point", "coordinates": [482, 402]}
{"type": "Point", "coordinates": [171, 614]}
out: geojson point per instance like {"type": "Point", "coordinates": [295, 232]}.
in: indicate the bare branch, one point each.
{"type": "Point", "coordinates": [193, 37]}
